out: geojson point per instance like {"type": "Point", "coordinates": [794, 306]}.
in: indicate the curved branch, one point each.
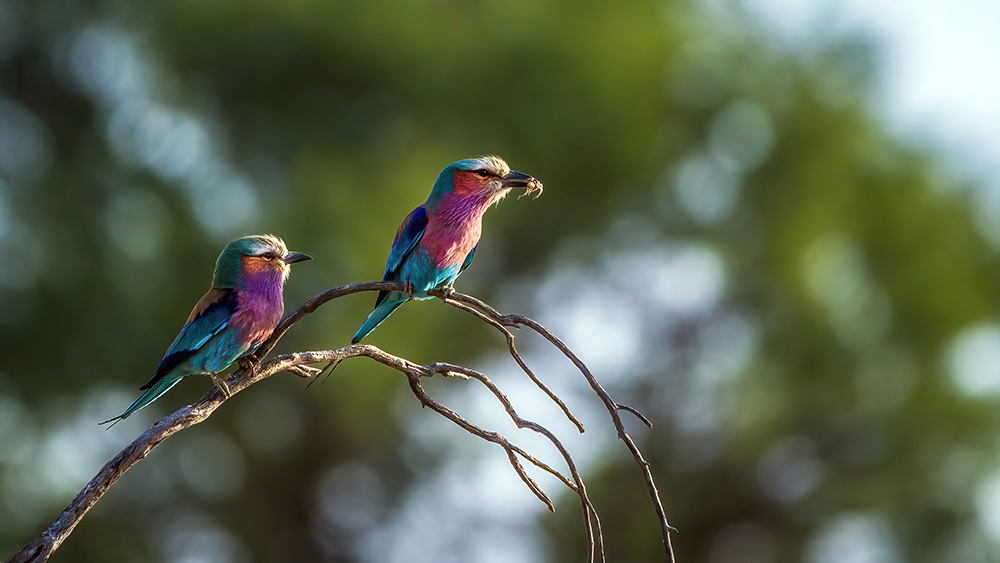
{"type": "Point", "coordinates": [45, 544]}
{"type": "Point", "coordinates": [590, 514]}
{"type": "Point", "coordinates": [517, 357]}
{"type": "Point", "coordinates": [484, 310]}
{"type": "Point", "coordinates": [253, 371]}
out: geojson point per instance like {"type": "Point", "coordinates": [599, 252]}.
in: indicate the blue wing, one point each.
{"type": "Point", "coordinates": [207, 319]}
{"type": "Point", "coordinates": [407, 236]}
{"type": "Point", "coordinates": [469, 258]}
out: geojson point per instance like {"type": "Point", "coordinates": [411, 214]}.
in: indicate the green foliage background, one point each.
{"type": "Point", "coordinates": [849, 264]}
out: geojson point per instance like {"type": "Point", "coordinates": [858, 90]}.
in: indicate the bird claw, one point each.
{"type": "Point", "coordinates": [446, 291]}
{"type": "Point", "coordinates": [221, 385]}
{"type": "Point", "coordinates": [248, 362]}
{"type": "Point", "coordinates": [410, 289]}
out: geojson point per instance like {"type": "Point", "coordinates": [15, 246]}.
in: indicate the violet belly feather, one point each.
{"type": "Point", "coordinates": [260, 307]}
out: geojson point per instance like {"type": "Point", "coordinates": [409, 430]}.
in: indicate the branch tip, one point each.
{"type": "Point", "coordinates": [639, 415]}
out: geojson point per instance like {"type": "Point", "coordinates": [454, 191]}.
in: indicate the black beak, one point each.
{"type": "Point", "coordinates": [515, 179]}
{"type": "Point", "coordinates": [293, 257]}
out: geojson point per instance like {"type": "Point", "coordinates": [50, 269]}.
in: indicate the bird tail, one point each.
{"type": "Point", "coordinates": [151, 394]}
{"type": "Point", "coordinates": [394, 300]}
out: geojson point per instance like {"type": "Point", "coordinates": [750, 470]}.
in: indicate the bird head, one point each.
{"type": "Point", "coordinates": [488, 178]}
{"type": "Point", "coordinates": [252, 256]}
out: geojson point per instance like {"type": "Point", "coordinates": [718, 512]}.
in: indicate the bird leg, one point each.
{"type": "Point", "coordinates": [304, 372]}
{"type": "Point", "coordinates": [248, 361]}
{"type": "Point", "coordinates": [221, 385]}
{"type": "Point", "coordinates": [410, 289]}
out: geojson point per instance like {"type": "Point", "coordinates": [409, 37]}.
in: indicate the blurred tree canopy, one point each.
{"type": "Point", "coordinates": [799, 301]}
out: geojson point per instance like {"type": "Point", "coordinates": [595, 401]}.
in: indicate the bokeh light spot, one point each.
{"type": "Point", "coordinates": [106, 65]}
{"type": "Point", "coordinates": [837, 277]}
{"type": "Point", "coordinates": [688, 279]}
{"type": "Point", "coordinates": [853, 538]}
{"type": "Point", "coordinates": [988, 506]}
{"type": "Point", "coordinates": [789, 470]}
{"type": "Point", "coordinates": [24, 147]}
{"type": "Point", "coordinates": [741, 133]}
{"type": "Point", "coordinates": [708, 188]}
{"type": "Point", "coordinates": [195, 538]}
{"type": "Point", "coordinates": [973, 360]}
{"type": "Point", "coordinates": [725, 346]}
{"type": "Point", "coordinates": [351, 497]}
{"type": "Point", "coordinates": [223, 201]}
{"type": "Point", "coordinates": [24, 254]}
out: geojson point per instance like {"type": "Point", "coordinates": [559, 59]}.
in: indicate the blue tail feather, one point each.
{"type": "Point", "coordinates": [394, 300]}
{"type": "Point", "coordinates": [152, 394]}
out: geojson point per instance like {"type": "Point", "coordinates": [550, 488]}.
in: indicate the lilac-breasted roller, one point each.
{"type": "Point", "coordinates": [437, 241]}
{"type": "Point", "coordinates": [236, 316]}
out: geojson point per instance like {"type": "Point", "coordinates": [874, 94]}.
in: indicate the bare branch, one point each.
{"type": "Point", "coordinates": [517, 357]}
{"type": "Point", "coordinates": [501, 321]}
{"type": "Point", "coordinates": [252, 371]}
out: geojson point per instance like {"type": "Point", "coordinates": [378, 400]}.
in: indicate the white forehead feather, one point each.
{"type": "Point", "coordinates": [269, 243]}
{"type": "Point", "coordinates": [494, 164]}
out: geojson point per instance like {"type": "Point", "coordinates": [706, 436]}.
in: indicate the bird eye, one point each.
{"type": "Point", "coordinates": [483, 173]}
{"type": "Point", "coordinates": [268, 256]}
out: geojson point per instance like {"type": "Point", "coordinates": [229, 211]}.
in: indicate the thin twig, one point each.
{"type": "Point", "coordinates": [517, 321]}
{"type": "Point", "coordinates": [637, 414]}
{"type": "Point", "coordinates": [517, 357]}
{"type": "Point", "coordinates": [579, 488]}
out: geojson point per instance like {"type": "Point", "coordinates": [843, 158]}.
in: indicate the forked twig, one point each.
{"type": "Point", "coordinates": [502, 322]}
{"type": "Point", "coordinates": [517, 357]}
{"type": "Point", "coordinates": [251, 372]}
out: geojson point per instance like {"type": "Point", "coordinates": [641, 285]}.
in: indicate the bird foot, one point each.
{"type": "Point", "coordinates": [221, 385]}
{"type": "Point", "coordinates": [446, 291]}
{"type": "Point", "coordinates": [248, 362]}
{"type": "Point", "coordinates": [304, 372]}
{"type": "Point", "coordinates": [410, 289]}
